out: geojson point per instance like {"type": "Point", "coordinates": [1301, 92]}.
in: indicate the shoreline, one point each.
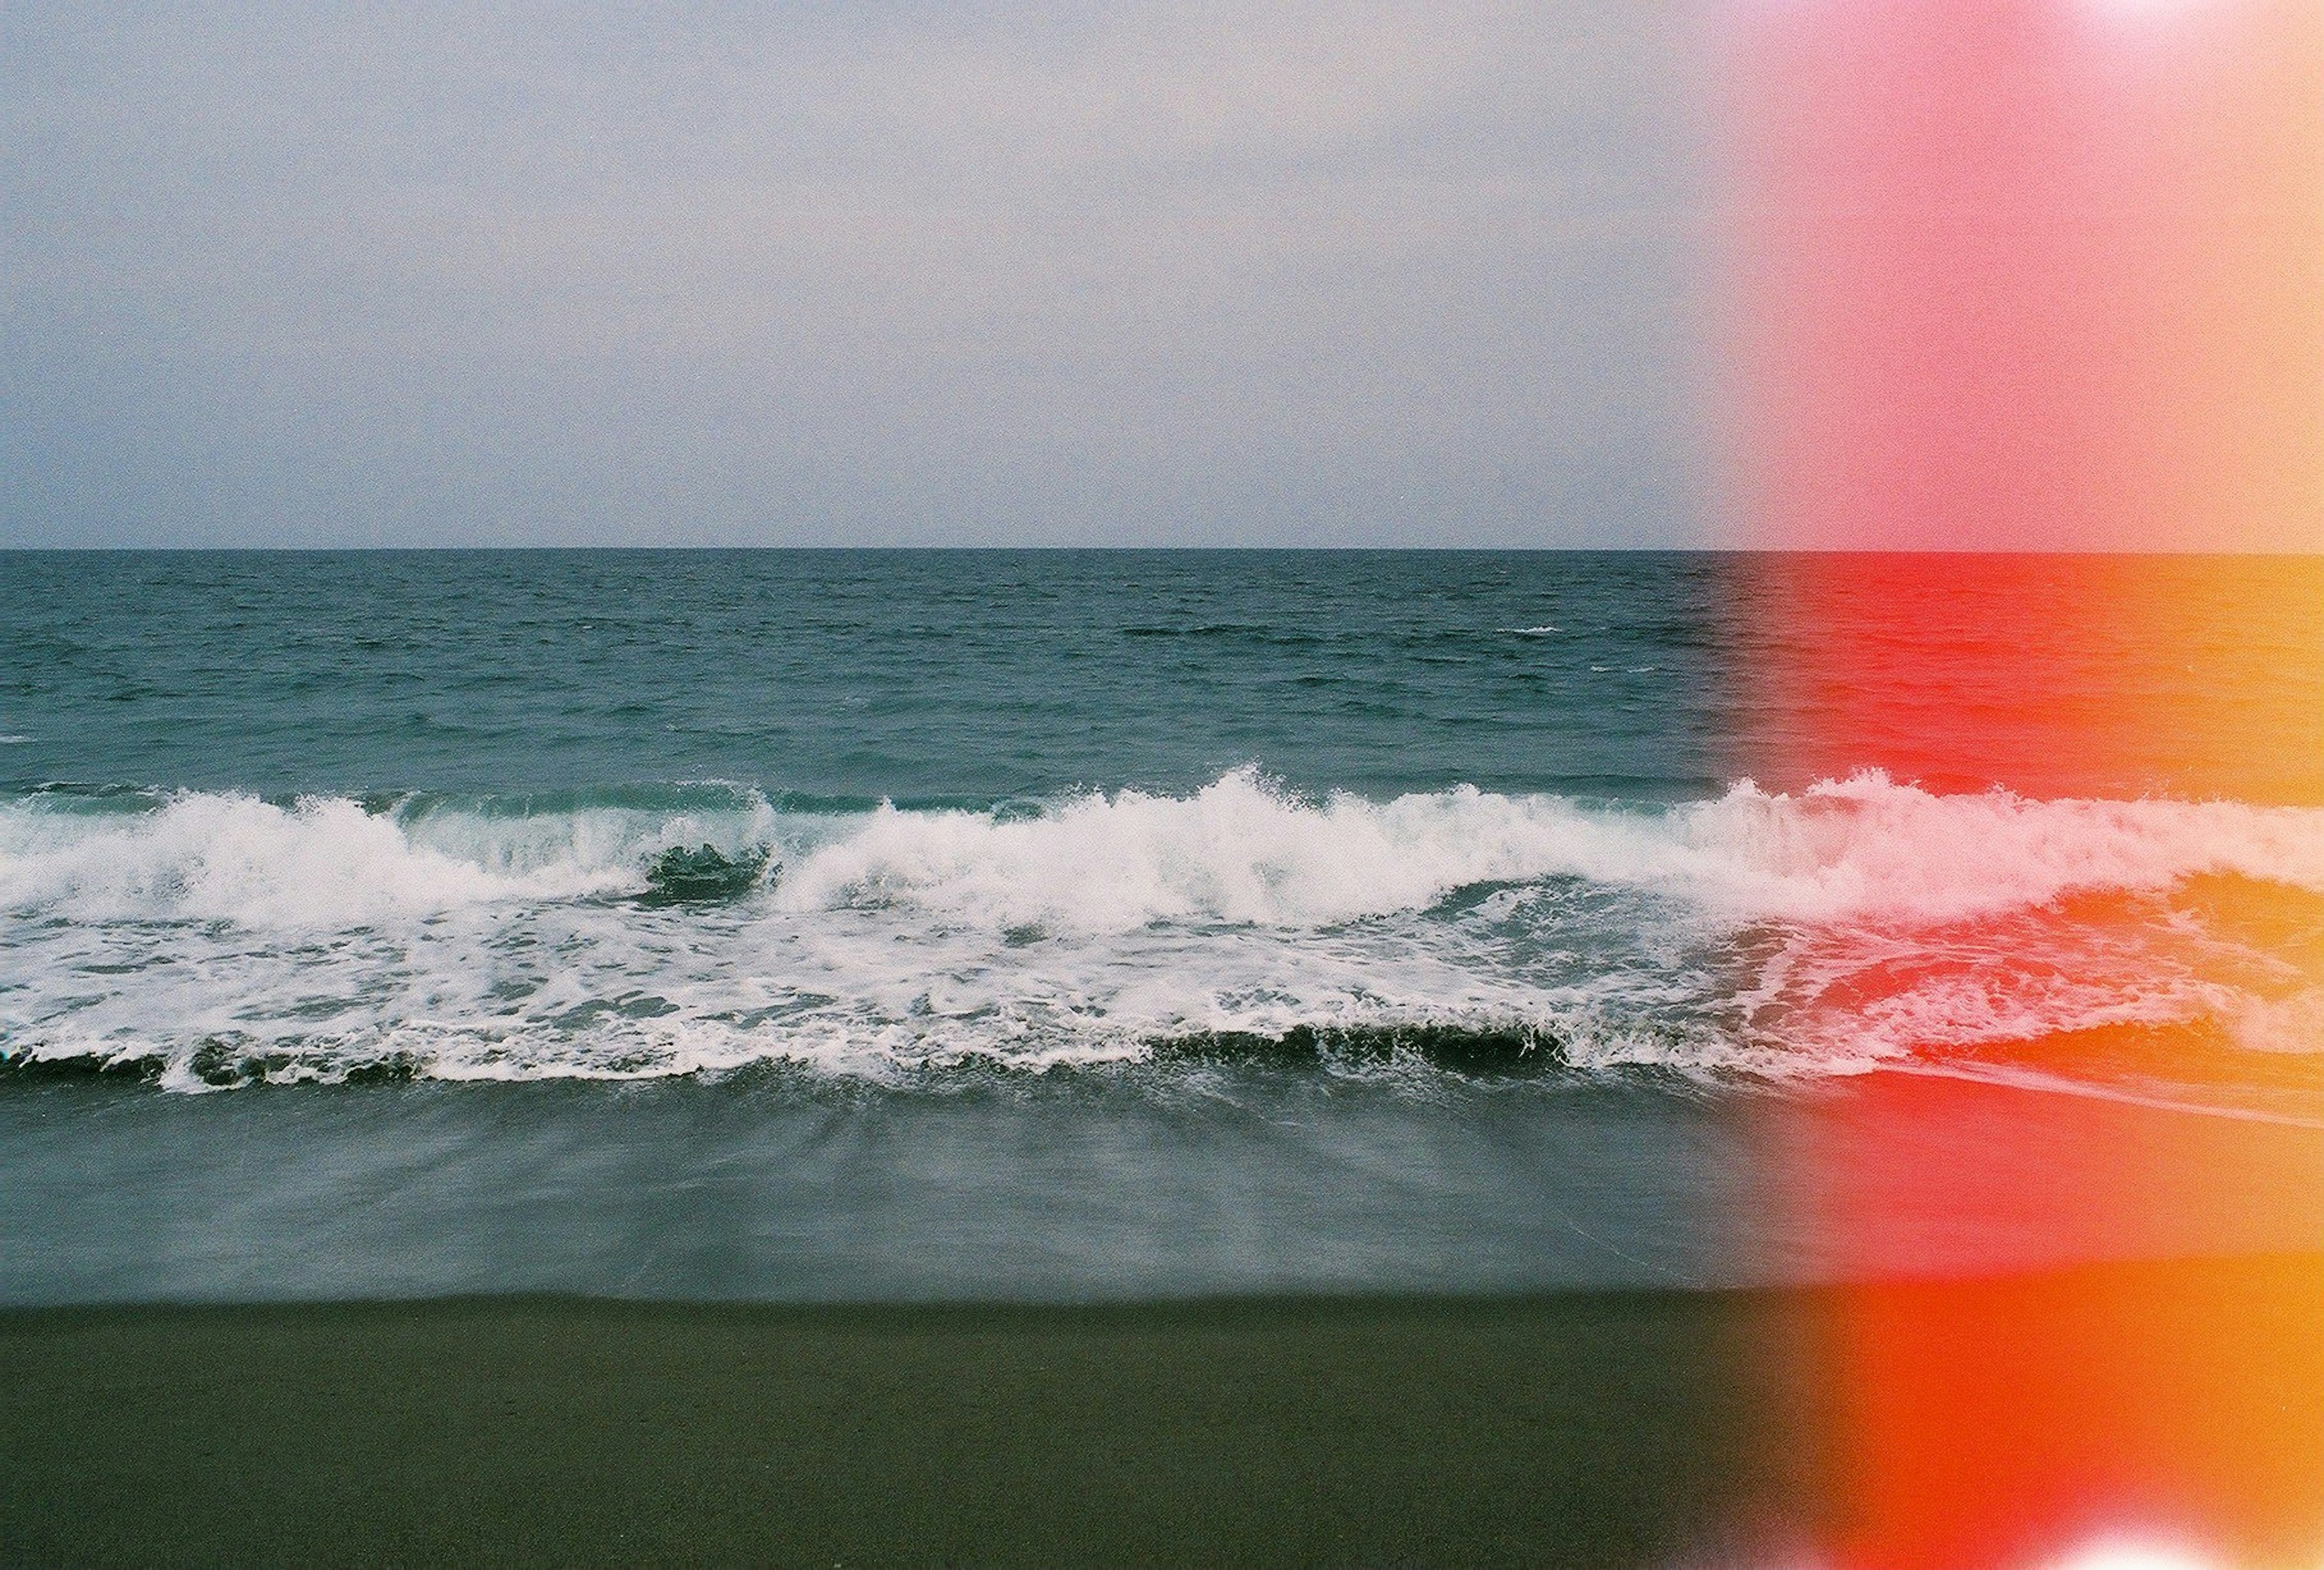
{"type": "Point", "coordinates": [1627, 1427]}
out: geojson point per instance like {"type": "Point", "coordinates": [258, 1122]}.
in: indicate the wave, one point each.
{"type": "Point", "coordinates": [708, 926]}
{"type": "Point", "coordinates": [1241, 850]}
{"type": "Point", "coordinates": [321, 863]}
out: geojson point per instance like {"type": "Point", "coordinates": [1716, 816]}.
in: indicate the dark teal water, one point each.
{"type": "Point", "coordinates": [983, 923]}
{"type": "Point", "coordinates": [928, 677]}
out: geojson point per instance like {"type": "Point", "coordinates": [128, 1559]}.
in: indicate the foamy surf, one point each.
{"type": "Point", "coordinates": [219, 938]}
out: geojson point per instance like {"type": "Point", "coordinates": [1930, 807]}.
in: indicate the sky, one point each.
{"type": "Point", "coordinates": [866, 274]}
{"type": "Point", "coordinates": [1982, 274]}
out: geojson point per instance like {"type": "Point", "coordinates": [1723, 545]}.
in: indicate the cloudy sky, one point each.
{"type": "Point", "coordinates": [868, 273]}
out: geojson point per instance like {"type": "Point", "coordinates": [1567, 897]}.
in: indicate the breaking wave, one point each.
{"type": "Point", "coordinates": [704, 928]}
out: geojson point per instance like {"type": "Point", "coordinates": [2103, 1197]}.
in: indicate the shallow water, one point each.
{"type": "Point", "coordinates": [1225, 1182]}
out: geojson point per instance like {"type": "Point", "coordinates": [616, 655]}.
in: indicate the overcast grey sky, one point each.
{"type": "Point", "coordinates": [1295, 273]}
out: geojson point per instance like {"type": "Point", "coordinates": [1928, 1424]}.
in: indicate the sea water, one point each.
{"type": "Point", "coordinates": [1045, 924]}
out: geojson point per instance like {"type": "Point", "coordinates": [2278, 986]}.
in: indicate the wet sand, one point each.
{"type": "Point", "coordinates": [1611, 1429]}
{"type": "Point", "coordinates": [1589, 1428]}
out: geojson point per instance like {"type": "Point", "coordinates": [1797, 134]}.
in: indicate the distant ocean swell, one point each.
{"type": "Point", "coordinates": [214, 940]}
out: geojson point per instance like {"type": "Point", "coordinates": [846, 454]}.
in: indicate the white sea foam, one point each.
{"type": "Point", "coordinates": [1864, 850]}
{"type": "Point", "coordinates": [482, 939]}
{"type": "Point", "coordinates": [325, 864]}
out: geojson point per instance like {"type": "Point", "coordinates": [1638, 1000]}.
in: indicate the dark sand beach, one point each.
{"type": "Point", "coordinates": [1607, 1430]}
{"type": "Point", "coordinates": [1590, 1429]}
{"type": "Point", "coordinates": [1586, 1428]}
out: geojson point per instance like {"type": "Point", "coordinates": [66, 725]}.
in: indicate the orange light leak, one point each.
{"type": "Point", "coordinates": [2030, 276]}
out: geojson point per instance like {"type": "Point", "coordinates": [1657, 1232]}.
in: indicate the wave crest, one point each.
{"type": "Point", "coordinates": [680, 929]}
{"type": "Point", "coordinates": [1242, 850]}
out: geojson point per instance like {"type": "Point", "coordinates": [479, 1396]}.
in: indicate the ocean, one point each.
{"type": "Point", "coordinates": [1066, 924]}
